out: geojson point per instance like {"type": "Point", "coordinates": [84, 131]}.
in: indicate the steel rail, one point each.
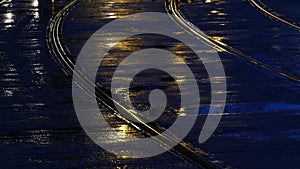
{"type": "Point", "coordinates": [64, 58]}
{"type": "Point", "coordinates": [273, 15]}
{"type": "Point", "coordinates": [172, 7]}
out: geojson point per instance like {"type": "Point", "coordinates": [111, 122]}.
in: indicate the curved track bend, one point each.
{"type": "Point", "coordinates": [64, 58]}
{"type": "Point", "coordinates": [274, 15]}
{"type": "Point", "coordinates": [172, 7]}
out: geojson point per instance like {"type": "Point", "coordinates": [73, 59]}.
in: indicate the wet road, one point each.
{"type": "Point", "coordinates": [39, 128]}
{"type": "Point", "coordinates": [39, 125]}
{"type": "Point", "coordinates": [289, 9]}
{"type": "Point", "coordinates": [259, 98]}
{"type": "Point", "coordinates": [36, 109]}
{"type": "Point", "coordinates": [252, 134]}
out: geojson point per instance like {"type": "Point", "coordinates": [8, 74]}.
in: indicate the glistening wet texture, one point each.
{"type": "Point", "coordinates": [289, 9]}
{"type": "Point", "coordinates": [36, 108]}
{"type": "Point", "coordinates": [39, 128]}
{"type": "Point", "coordinates": [252, 134]}
{"type": "Point", "coordinates": [126, 46]}
{"type": "Point", "coordinates": [266, 107]}
{"type": "Point", "coordinates": [249, 31]}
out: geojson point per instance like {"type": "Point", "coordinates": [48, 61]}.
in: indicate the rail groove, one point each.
{"type": "Point", "coordinates": [65, 59]}
{"type": "Point", "coordinates": [172, 7]}
{"type": "Point", "coordinates": [274, 15]}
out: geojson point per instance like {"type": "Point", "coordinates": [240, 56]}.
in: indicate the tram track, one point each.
{"type": "Point", "coordinates": [172, 7]}
{"type": "Point", "coordinates": [65, 59]}
{"type": "Point", "coordinates": [270, 13]}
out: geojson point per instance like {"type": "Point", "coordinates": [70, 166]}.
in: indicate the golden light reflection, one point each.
{"type": "Point", "coordinates": [177, 48]}
{"type": "Point", "coordinates": [124, 132]}
{"type": "Point", "coordinates": [111, 15]}
{"type": "Point", "coordinates": [208, 1]}
{"type": "Point", "coordinates": [181, 79]}
{"type": "Point", "coordinates": [120, 133]}
{"type": "Point", "coordinates": [121, 90]}
{"type": "Point", "coordinates": [178, 61]}
{"type": "Point", "coordinates": [178, 33]}
{"type": "Point", "coordinates": [214, 11]}
{"type": "Point", "coordinates": [219, 13]}
{"type": "Point", "coordinates": [222, 14]}
{"type": "Point", "coordinates": [119, 13]}
{"type": "Point", "coordinates": [123, 129]}
{"type": "Point", "coordinates": [115, 9]}
{"type": "Point", "coordinates": [52, 7]}
{"type": "Point", "coordinates": [219, 38]}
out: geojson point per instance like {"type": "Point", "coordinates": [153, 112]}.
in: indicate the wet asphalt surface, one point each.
{"type": "Point", "coordinates": [39, 128]}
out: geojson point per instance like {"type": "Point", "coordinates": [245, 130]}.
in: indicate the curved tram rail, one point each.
{"type": "Point", "coordinates": [172, 7]}
{"type": "Point", "coordinates": [64, 58]}
{"type": "Point", "coordinates": [274, 15]}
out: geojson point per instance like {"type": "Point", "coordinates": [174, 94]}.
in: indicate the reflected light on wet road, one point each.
{"type": "Point", "coordinates": [8, 19]}
{"type": "Point", "coordinates": [35, 3]}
